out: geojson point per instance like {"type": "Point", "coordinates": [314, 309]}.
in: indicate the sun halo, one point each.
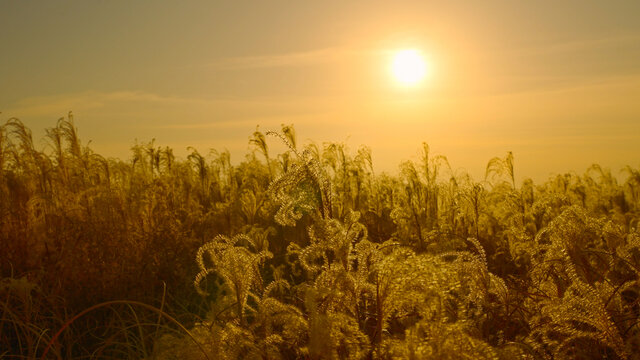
{"type": "Point", "coordinates": [408, 67]}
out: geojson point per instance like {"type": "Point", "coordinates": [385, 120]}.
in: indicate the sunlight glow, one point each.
{"type": "Point", "coordinates": [409, 67]}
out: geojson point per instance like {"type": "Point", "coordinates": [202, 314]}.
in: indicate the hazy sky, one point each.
{"type": "Point", "coordinates": [556, 82]}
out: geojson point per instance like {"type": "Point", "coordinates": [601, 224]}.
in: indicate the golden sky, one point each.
{"type": "Point", "coordinates": [556, 82]}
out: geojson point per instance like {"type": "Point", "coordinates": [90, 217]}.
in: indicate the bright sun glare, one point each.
{"type": "Point", "coordinates": [409, 67]}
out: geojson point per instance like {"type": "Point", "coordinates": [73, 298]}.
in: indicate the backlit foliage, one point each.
{"type": "Point", "coordinates": [310, 254]}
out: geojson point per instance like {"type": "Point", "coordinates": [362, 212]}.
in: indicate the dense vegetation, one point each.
{"type": "Point", "coordinates": [308, 254]}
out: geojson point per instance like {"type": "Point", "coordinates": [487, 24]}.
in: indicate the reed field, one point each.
{"type": "Point", "coordinates": [308, 254]}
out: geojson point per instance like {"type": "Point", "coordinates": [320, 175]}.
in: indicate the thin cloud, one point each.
{"type": "Point", "coordinates": [274, 121]}
{"type": "Point", "coordinates": [144, 110]}
{"type": "Point", "coordinates": [592, 44]}
{"type": "Point", "coordinates": [304, 58]}
{"type": "Point", "coordinates": [59, 105]}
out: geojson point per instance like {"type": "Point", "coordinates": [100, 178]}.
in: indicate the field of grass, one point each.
{"type": "Point", "coordinates": [308, 254]}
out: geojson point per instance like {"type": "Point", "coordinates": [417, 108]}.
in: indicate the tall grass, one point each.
{"type": "Point", "coordinates": [307, 254]}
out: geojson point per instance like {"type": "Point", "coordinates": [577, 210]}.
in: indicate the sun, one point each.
{"type": "Point", "coordinates": [409, 67]}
